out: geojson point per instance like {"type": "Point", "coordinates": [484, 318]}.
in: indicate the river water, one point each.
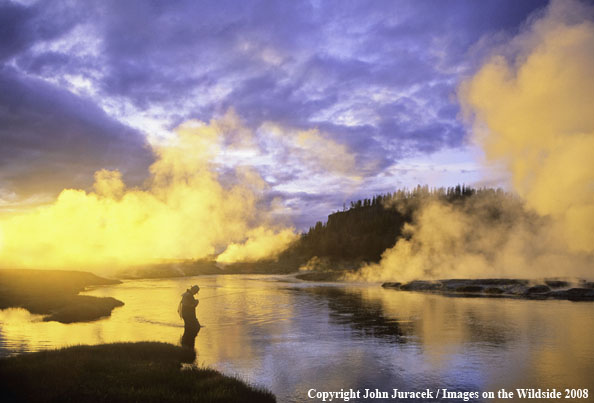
{"type": "Point", "coordinates": [292, 337]}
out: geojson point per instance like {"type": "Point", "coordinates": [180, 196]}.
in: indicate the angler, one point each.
{"type": "Point", "coordinates": [187, 311]}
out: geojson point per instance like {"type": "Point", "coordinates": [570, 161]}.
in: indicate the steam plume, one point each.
{"type": "Point", "coordinates": [184, 212]}
{"type": "Point", "coordinates": [531, 108]}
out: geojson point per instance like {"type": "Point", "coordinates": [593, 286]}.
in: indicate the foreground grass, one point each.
{"type": "Point", "coordinates": [55, 293]}
{"type": "Point", "coordinates": [119, 372]}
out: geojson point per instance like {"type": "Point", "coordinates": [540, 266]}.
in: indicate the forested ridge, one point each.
{"type": "Point", "coordinates": [364, 230]}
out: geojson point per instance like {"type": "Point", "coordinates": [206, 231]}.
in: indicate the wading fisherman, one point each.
{"type": "Point", "coordinates": [187, 311]}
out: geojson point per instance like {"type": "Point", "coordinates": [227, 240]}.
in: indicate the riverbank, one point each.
{"type": "Point", "coordinates": [321, 276]}
{"type": "Point", "coordinates": [559, 289]}
{"type": "Point", "coordinates": [54, 293]}
{"type": "Point", "coordinates": [119, 372]}
{"type": "Point", "coordinates": [207, 267]}
{"type": "Point", "coordinates": [576, 290]}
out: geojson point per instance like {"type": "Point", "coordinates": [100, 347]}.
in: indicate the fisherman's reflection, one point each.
{"type": "Point", "coordinates": [189, 337]}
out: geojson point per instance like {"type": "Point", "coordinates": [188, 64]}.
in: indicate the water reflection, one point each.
{"type": "Point", "coordinates": [188, 338]}
{"type": "Point", "coordinates": [364, 315]}
{"type": "Point", "coordinates": [291, 336]}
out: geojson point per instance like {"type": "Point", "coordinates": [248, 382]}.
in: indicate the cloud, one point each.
{"type": "Point", "coordinates": [376, 77]}
{"type": "Point", "coordinates": [23, 26]}
{"type": "Point", "coordinates": [183, 212]}
{"type": "Point", "coordinates": [311, 61]}
{"type": "Point", "coordinates": [317, 151]}
{"type": "Point", "coordinates": [53, 139]}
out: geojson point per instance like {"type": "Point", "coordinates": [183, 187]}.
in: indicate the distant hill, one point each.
{"type": "Point", "coordinates": [370, 226]}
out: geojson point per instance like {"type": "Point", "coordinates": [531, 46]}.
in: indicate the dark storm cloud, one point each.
{"type": "Point", "coordinates": [21, 26]}
{"type": "Point", "coordinates": [50, 138]}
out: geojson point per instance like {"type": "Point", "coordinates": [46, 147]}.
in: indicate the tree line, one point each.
{"type": "Point", "coordinates": [364, 230]}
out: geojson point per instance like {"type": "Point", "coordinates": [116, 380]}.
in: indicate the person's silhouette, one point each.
{"type": "Point", "coordinates": [187, 311]}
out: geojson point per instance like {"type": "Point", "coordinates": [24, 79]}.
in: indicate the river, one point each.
{"type": "Point", "coordinates": [292, 337]}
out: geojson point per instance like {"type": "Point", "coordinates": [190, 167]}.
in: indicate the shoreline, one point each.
{"type": "Point", "coordinates": [55, 294]}
{"type": "Point", "coordinates": [546, 289]}
{"type": "Point", "coordinates": [141, 371]}
{"type": "Point", "coordinates": [550, 289]}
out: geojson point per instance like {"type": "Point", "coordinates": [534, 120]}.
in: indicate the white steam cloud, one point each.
{"type": "Point", "coordinates": [531, 107]}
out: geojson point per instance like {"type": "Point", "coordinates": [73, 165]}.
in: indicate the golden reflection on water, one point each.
{"type": "Point", "coordinates": [521, 343]}
{"type": "Point", "coordinates": [291, 336]}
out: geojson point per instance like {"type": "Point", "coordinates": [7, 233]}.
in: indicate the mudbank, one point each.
{"type": "Point", "coordinates": [55, 293]}
{"type": "Point", "coordinates": [579, 290]}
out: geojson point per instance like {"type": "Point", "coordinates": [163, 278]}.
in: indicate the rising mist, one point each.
{"type": "Point", "coordinates": [184, 211]}
{"type": "Point", "coordinates": [530, 107]}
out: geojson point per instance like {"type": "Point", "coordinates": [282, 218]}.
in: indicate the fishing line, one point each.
{"type": "Point", "coordinates": [222, 295]}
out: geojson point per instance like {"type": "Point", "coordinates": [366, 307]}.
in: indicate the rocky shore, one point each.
{"type": "Point", "coordinates": [578, 290]}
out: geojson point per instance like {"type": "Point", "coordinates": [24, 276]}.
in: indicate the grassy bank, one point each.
{"type": "Point", "coordinates": [119, 372]}
{"type": "Point", "coordinates": [55, 293]}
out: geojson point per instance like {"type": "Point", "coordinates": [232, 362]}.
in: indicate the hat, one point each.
{"type": "Point", "coordinates": [195, 289]}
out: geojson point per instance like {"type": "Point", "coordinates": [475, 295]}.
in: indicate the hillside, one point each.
{"type": "Point", "coordinates": [368, 227]}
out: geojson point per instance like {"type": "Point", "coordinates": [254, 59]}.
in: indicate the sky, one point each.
{"type": "Point", "coordinates": [327, 101]}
